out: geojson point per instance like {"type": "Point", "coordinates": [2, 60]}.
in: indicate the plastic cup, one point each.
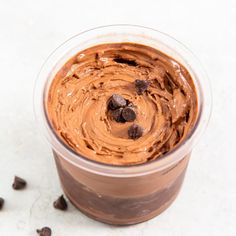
{"type": "Point", "coordinates": [122, 195]}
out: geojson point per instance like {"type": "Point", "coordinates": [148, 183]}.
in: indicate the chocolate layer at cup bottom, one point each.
{"type": "Point", "coordinates": [115, 210]}
{"type": "Point", "coordinates": [123, 222]}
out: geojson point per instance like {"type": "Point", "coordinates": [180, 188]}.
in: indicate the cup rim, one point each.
{"type": "Point", "coordinates": [158, 164]}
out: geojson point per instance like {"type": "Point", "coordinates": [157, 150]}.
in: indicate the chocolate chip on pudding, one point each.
{"type": "Point", "coordinates": [117, 115]}
{"type": "Point", "coordinates": [121, 109]}
{"type": "Point", "coordinates": [141, 86]}
{"type": "Point", "coordinates": [135, 131]}
{"type": "Point", "coordinates": [116, 101]}
{"type": "Point", "coordinates": [128, 114]}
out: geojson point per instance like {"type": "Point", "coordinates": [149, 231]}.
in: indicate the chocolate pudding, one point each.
{"type": "Point", "coordinates": [121, 104]}
{"type": "Point", "coordinates": [78, 99]}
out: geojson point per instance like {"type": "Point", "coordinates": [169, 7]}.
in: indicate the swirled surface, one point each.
{"type": "Point", "coordinates": [78, 96]}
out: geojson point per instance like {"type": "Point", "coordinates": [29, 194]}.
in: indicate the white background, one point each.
{"type": "Point", "coordinates": [30, 30]}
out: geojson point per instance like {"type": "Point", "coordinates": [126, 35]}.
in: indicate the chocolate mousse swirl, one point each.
{"type": "Point", "coordinates": [78, 98]}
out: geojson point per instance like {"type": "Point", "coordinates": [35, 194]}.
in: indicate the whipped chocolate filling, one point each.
{"type": "Point", "coordinates": [79, 94]}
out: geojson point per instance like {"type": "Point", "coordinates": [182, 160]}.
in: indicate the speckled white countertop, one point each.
{"type": "Point", "coordinates": [30, 30]}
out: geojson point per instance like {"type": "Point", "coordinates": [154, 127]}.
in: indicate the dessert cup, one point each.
{"type": "Point", "coordinates": [122, 195]}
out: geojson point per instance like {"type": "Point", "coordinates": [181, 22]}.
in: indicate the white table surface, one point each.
{"type": "Point", "coordinates": [30, 30]}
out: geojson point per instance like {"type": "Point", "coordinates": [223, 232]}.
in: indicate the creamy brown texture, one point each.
{"type": "Point", "coordinates": [78, 96]}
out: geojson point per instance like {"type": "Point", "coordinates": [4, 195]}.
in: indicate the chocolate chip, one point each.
{"type": "Point", "coordinates": [117, 115]}
{"type": "Point", "coordinates": [128, 114]}
{"type": "Point", "coordinates": [1, 203]}
{"type": "Point", "coordinates": [135, 131]}
{"type": "Point", "coordinates": [60, 203]}
{"type": "Point", "coordinates": [19, 183]}
{"type": "Point", "coordinates": [45, 231]}
{"type": "Point", "coordinates": [116, 101]}
{"type": "Point", "coordinates": [141, 86]}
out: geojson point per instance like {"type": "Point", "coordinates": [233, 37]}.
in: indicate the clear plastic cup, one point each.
{"type": "Point", "coordinates": [122, 195]}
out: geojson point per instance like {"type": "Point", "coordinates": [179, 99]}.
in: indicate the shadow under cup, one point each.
{"type": "Point", "coordinates": [122, 195]}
